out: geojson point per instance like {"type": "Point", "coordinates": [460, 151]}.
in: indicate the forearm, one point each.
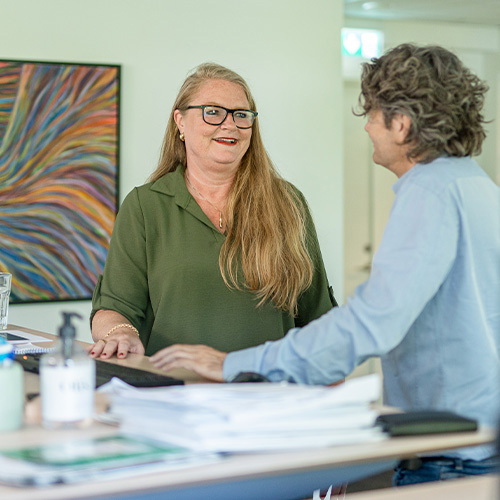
{"type": "Point", "coordinates": [403, 280]}
{"type": "Point", "coordinates": [320, 353]}
{"type": "Point", "coordinates": [105, 320]}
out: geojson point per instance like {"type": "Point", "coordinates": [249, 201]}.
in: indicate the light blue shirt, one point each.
{"type": "Point", "coordinates": [430, 308]}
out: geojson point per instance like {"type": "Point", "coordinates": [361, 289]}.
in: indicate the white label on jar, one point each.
{"type": "Point", "coordinates": [67, 392]}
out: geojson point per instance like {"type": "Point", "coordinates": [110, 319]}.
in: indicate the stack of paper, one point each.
{"type": "Point", "coordinates": [250, 417]}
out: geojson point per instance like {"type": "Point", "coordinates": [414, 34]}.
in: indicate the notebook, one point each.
{"type": "Point", "coordinates": [30, 348]}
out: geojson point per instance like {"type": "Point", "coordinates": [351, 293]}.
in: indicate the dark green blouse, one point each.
{"type": "Point", "coordinates": [162, 273]}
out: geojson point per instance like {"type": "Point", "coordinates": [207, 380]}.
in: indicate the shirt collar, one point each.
{"type": "Point", "coordinates": [407, 175]}
{"type": "Point", "coordinates": [173, 184]}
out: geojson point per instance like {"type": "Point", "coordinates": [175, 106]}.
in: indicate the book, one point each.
{"type": "Point", "coordinates": [425, 422]}
{"type": "Point", "coordinates": [30, 348]}
{"type": "Point", "coordinates": [94, 458]}
{"type": "Point", "coordinates": [23, 342]}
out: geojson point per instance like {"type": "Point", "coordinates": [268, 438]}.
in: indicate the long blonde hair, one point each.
{"type": "Point", "coordinates": [265, 220]}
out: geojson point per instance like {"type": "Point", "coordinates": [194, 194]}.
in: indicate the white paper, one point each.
{"type": "Point", "coordinates": [249, 417]}
{"type": "Point", "coordinates": [26, 337]}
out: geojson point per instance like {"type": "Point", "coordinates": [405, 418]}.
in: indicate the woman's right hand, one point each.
{"type": "Point", "coordinates": [120, 342]}
{"type": "Point", "coordinates": [112, 337]}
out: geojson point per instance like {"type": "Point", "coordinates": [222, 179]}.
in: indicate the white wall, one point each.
{"type": "Point", "coordinates": [287, 51]}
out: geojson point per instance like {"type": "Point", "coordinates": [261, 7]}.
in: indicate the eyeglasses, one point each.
{"type": "Point", "coordinates": [215, 115]}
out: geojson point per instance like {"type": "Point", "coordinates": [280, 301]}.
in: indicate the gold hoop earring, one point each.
{"type": "Point", "coordinates": [181, 137]}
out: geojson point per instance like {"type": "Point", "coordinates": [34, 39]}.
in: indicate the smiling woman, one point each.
{"type": "Point", "coordinates": [217, 248]}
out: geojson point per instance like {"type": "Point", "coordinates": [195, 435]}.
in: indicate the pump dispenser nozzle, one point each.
{"type": "Point", "coordinates": [67, 330]}
{"type": "Point", "coordinates": [67, 333]}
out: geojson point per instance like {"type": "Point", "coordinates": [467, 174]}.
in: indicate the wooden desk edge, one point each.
{"type": "Point", "coordinates": [485, 487]}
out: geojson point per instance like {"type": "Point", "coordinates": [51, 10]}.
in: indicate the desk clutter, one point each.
{"type": "Point", "coordinates": [249, 417]}
{"type": "Point", "coordinates": [91, 459]}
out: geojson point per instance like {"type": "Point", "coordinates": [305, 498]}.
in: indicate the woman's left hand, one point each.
{"type": "Point", "coordinates": [201, 359]}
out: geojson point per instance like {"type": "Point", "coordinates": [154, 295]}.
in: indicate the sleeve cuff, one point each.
{"type": "Point", "coordinates": [238, 361]}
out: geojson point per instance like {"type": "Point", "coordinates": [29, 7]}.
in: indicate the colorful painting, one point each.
{"type": "Point", "coordinates": [59, 151]}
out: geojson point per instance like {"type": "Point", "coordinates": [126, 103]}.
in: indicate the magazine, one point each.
{"type": "Point", "coordinates": [92, 459]}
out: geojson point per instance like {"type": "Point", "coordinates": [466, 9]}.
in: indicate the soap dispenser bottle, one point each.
{"type": "Point", "coordinates": [67, 381]}
{"type": "Point", "coordinates": [11, 388]}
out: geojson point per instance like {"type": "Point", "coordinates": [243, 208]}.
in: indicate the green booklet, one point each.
{"type": "Point", "coordinates": [92, 459]}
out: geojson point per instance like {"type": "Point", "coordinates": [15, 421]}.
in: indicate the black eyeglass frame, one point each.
{"type": "Point", "coordinates": [232, 111]}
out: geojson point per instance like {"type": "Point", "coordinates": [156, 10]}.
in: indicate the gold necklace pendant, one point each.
{"type": "Point", "coordinates": [203, 198]}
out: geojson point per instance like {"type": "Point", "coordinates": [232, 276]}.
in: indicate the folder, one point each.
{"type": "Point", "coordinates": [424, 422]}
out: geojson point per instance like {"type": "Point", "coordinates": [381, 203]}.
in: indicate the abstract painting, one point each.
{"type": "Point", "coordinates": [59, 154]}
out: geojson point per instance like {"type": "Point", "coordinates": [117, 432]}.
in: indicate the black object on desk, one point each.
{"type": "Point", "coordinates": [244, 377]}
{"type": "Point", "coordinates": [105, 371]}
{"type": "Point", "coordinates": [424, 422]}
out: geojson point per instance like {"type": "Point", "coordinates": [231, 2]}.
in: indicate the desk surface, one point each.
{"type": "Point", "coordinates": [261, 476]}
{"type": "Point", "coordinates": [470, 488]}
{"type": "Point", "coordinates": [328, 465]}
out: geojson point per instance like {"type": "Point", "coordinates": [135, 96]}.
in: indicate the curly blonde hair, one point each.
{"type": "Point", "coordinates": [442, 98]}
{"type": "Point", "coordinates": [266, 218]}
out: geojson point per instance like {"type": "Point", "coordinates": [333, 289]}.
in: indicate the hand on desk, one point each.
{"type": "Point", "coordinates": [120, 343]}
{"type": "Point", "coordinates": [115, 335]}
{"type": "Point", "coordinates": [201, 359]}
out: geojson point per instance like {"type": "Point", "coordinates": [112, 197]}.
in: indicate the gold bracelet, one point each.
{"type": "Point", "coordinates": [121, 325]}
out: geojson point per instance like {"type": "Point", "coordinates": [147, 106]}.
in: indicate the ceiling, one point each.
{"type": "Point", "coordinates": [458, 11]}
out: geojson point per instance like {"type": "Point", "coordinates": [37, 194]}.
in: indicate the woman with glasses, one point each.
{"type": "Point", "coordinates": [216, 248]}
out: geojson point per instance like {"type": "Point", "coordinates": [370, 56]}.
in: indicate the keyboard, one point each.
{"type": "Point", "coordinates": [105, 371]}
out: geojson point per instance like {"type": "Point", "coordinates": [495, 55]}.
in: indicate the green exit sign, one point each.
{"type": "Point", "coordinates": [362, 43]}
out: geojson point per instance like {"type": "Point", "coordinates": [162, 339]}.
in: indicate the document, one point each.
{"type": "Point", "coordinates": [93, 459]}
{"type": "Point", "coordinates": [19, 337]}
{"type": "Point", "coordinates": [249, 417]}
